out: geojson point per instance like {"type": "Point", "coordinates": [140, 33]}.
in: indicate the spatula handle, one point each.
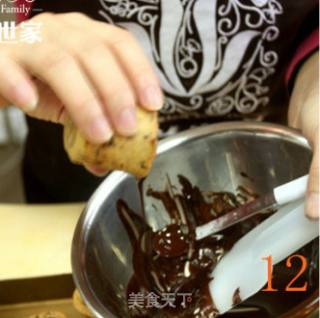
{"type": "Point", "coordinates": [291, 191]}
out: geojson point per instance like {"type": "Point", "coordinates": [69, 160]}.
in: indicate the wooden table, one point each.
{"type": "Point", "coordinates": [35, 248]}
{"type": "Point", "coordinates": [35, 240]}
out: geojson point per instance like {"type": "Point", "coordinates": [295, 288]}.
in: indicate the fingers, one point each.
{"type": "Point", "coordinates": [304, 115]}
{"type": "Point", "coordinates": [143, 77]}
{"type": "Point", "coordinates": [98, 73]}
{"type": "Point", "coordinates": [131, 57]}
{"type": "Point", "coordinates": [16, 85]}
{"type": "Point", "coordinates": [112, 86]}
{"type": "Point", "coordinates": [117, 66]}
{"type": "Point", "coordinates": [312, 197]}
{"type": "Point", "coordinates": [63, 74]}
{"type": "Point", "coordinates": [103, 70]}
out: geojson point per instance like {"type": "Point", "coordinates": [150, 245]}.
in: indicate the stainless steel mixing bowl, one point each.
{"type": "Point", "coordinates": [216, 158]}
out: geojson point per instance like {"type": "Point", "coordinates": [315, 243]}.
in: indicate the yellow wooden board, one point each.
{"type": "Point", "coordinates": [35, 240]}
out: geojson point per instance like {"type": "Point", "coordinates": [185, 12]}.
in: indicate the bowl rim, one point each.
{"type": "Point", "coordinates": [115, 177]}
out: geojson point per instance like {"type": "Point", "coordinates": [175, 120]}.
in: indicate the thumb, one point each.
{"type": "Point", "coordinates": [312, 197]}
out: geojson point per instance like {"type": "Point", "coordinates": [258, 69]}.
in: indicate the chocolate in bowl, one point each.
{"type": "Point", "coordinates": [162, 270]}
{"type": "Point", "coordinates": [216, 158]}
{"type": "Point", "coordinates": [170, 261]}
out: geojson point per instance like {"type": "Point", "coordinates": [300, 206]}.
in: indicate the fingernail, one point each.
{"type": "Point", "coordinates": [32, 107]}
{"type": "Point", "coordinates": [25, 97]}
{"type": "Point", "coordinates": [100, 130]}
{"type": "Point", "coordinates": [96, 170]}
{"type": "Point", "coordinates": [152, 98]}
{"type": "Point", "coordinates": [312, 206]}
{"type": "Point", "coordinates": [128, 122]}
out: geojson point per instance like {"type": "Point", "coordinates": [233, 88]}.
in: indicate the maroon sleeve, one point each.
{"type": "Point", "coordinates": [310, 44]}
{"type": "Point", "coordinates": [21, 16]}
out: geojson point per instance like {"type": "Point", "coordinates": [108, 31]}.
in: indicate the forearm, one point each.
{"type": "Point", "coordinates": [305, 99]}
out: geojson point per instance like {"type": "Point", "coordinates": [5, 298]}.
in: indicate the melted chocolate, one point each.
{"type": "Point", "coordinates": [236, 299]}
{"type": "Point", "coordinates": [173, 240]}
{"type": "Point", "coordinates": [189, 273]}
{"type": "Point", "coordinates": [170, 261]}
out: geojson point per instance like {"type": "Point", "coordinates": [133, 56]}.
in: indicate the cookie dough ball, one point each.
{"type": "Point", "coordinates": [133, 154]}
{"type": "Point", "coordinates": [80, 306]}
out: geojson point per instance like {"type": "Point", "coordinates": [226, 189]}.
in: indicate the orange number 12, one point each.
{"type": "Point", "coordinates": [288, 288]}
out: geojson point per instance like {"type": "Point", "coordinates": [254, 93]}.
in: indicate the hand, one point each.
{"type": "Point", "coordinates": [96, 72]}
{"type": "Point", "coordinates": [304, 115]}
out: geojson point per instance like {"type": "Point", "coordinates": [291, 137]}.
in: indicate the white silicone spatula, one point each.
{"type": "Point", "coordinates": [243, 267]}
{"type": "Point", "coordinates": [280, 195]}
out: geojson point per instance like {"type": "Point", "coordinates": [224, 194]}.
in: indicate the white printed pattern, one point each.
{"type": "Point", "coordinates": [223, 42]}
